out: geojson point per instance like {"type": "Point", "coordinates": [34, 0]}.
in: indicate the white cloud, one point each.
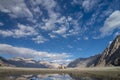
{"type": "Point", "coordinates": [89, 4]}
{"type": "Point", "coordinates": [117, 33]}
{"type": "Point", "coordinates": [6, 33]}
{"type": "Point", "coordinates": [64, 27]}
{"type": "Point", "coordinates": [110, 42]}
{"type": "Point", "coordinates": [76, 2]}
{"type": "Point", "coordinates": [49, 5]}
{"type": "Point", "coordinates": [66, 61]}
{"type": "Point", "coordinates": [39, 39]}
{"type": "Point", "coordinates": [110, 24]}
{"type": "Point", "coordinates": [1, 24]}
{"type": "Point", "coordinates": [61, 30]}
{"type": "Point", "coordinates": [54, 25]}
{"type": "Point", "coordinates": [15, 8]}
{"type": "Point", "coordinates": [69, 18]}
{"type": "Point", "coordinates": [22, 31]}
{"type": "Point", "coordinates": [65, 31]}
{"type": "Point", "coordinates": [61, 20]}
{"type": "Point", "coordinates": [31, 53]}
{"type": "Point", "coordinates": [52, 35]}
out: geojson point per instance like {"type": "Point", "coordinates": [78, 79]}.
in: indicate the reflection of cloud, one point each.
{"type": "Point", "coordinates": [39, 77]}
{"type": "Point", "coordinates": [30, 53]}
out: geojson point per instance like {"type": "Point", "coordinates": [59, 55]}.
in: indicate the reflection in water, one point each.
{"type": "Point", "coordinates": [55, 77]}
{"type": "Point", "coordinates": [93, 77]}
{"type": "Point", "coordinates": [38, 77]}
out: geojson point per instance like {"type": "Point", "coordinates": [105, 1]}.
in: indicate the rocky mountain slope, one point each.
{"type": "Point", "coordinates": [109, 57]}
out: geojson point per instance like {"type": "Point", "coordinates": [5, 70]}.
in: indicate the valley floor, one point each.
{"type": "Point", "coordinates": [96, 71]}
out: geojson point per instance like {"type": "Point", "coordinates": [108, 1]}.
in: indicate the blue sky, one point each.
{"type": "Point", "coordinates": [57, 30]}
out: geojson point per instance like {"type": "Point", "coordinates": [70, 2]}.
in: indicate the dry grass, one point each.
{"type": "Point", "coordinates": [112, 72]}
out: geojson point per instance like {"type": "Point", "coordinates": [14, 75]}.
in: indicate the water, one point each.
{"type": "Point", "coordinates": [55, 77]}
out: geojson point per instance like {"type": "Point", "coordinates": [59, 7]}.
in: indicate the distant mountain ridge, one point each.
{"type": "Point", "coordinates": [27, 62]}
{"type": "Point", "coordinates": [4, 62]}
{"type": "Point", "coordinates": [85, 62]}
{"type": "Point", "coordinates": [22, 62]}
{"type": "Point", "coordinates": [109, 57]}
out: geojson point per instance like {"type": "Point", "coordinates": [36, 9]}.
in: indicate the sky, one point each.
{"type": "Point", "coordinates": [57, 30]}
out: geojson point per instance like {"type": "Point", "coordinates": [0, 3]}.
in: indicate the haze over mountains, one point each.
{"type": "Point", "coordinates": [109, 57]}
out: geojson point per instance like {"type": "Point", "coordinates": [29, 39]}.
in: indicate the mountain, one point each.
{"type": "Point", "coordinates": [23, 62]}
{"type": "Point", "coordinates": [109, 57]}
{"type": "Point", "coordinates": [4, 62]}
{"type": "Point", "coordinates": [85, 62]}
{"type": "Point", "coordinates": [27, 62]}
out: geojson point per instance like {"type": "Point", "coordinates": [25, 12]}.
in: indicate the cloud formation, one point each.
{"type": "Point", "coordinates": [31, 53]}
{"type": "Point", "coordinates": [110, 24]}
{"type": "Point", "coordinates": [21, 31]}
{"type": "Point", "coordinates": [53, 23]}
{"type": "Point", "coordinates": [88, 5]}
{"type": "Point", "coordinates": [39, 39]}
{"type": "Point", "coordinates": [15, 8]}
{"type": "Point", "coordinates": [79, 18]}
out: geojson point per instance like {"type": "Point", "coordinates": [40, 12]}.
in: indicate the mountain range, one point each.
{"type": "Point", "coordinates": [109, 57]}
{"type": "Point", "coordinates": [27, 62]}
